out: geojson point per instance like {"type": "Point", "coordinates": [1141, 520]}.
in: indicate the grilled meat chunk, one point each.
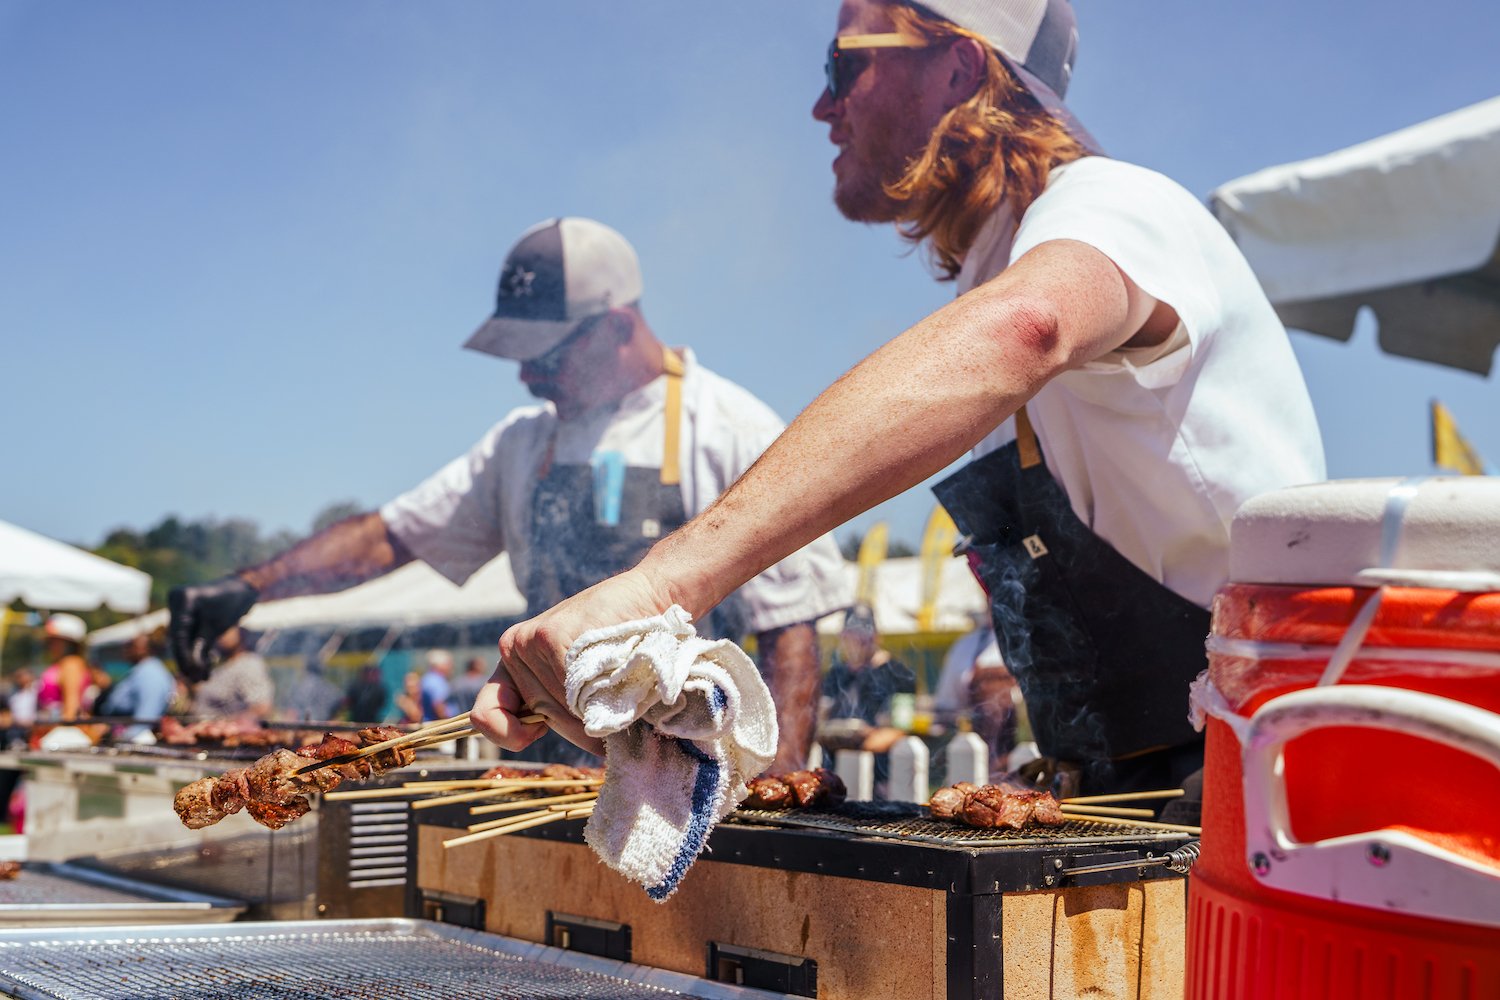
{"type": "Point", "coordinates": [194, 804]}
{"type": "Point", "coordinates": [769, 793]}
{"type": "Point", "coordinates": [391, 757]}
{"type": "Point", "coordinates": [994, 807]}
{"type": "Point", "coordinates": [275, 815]}
{"type": "Point", "coordinates": [946, 803]}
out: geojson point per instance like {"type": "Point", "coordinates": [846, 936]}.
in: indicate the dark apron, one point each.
{"type": "Point", "coordinates": [581, 536]}
{"type": "Point", "coordinates": [1103, 653]}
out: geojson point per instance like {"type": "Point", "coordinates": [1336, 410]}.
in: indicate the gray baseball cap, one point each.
{"type": "Point", "coordinates": [560, 273]}
{"type": "Point", "coordinates": [1038, 39]}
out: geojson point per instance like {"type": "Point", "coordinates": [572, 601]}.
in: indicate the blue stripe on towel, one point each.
{"type": "Point", "coordinates": [705, 787]}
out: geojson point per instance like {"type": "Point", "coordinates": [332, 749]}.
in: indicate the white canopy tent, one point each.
{"type": "Point", "coordinates": [1407, 224]}
{"type": "Point", "coordinates": [410, 596]}
{"type": "Point", "coordinates": [57, 577]}
{"type": "Point", "coordinates": [416, 595]}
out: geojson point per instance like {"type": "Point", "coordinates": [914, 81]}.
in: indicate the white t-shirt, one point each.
{"type": "Point", "coordinates": [479, 505]}
{"type": "Point", "coordinates": [1157, 447]}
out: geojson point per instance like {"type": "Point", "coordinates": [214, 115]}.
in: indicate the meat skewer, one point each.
{"type": "Point", "coordinates": [273, 791]}
{"type": "Point", "coordinates": [796, 789]}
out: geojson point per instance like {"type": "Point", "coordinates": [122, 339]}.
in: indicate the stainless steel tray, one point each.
{"type": "Point", "coordinates": [327, 960]}
{"type": "Point", "coordinates": [48, 895]}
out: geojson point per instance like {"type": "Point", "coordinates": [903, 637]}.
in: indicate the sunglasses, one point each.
{"type": "Point", "coordinates": [549, 363]}
{"type": "Point", "coordinates": [842, 71]}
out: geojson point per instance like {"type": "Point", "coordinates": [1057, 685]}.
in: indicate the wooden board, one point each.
{"type": "Point", "coordinates": [1110, 942]}
{"type": "Point", "coordinates": [872, 941]}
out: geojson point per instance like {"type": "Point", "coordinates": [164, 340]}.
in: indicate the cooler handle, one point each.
{"type": "Point", "coordinates": [1384, 869]}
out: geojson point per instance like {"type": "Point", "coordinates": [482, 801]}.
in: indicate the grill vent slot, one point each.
{"type": "Point", "coordinates": [377, 844]}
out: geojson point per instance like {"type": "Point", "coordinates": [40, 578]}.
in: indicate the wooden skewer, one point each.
{"type": "Point", "coordinates": [560, 807]}
{"type": "Point", "coordinates": [426, 736]}
{"type": "Point", "coordinates": [516, 785]}
{"type": "Point", "coordinates": [526, 803]}
{"type": "Point", "coordinates": [505, 786]}
{"type": "Point", "coordinates": [442, 738]}
{"type": "Point", "coordinates": [519, 823]}
{"type": "Point", "coordinates": [1166, 793]}
{"type": "Point", "coordinates": [1114, 821]}
{"type": "Point", "coordinates": [1109, 811]}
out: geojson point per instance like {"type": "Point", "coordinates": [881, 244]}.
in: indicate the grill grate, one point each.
{"type": "Point", "coordinates": [910, 822]}
{"type": "Point", "coordinates": [279, 965]}
{"type": "Point", "coordinates": [41, 888]}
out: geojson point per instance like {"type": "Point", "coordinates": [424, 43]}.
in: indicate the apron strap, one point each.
{"type": "Point", "coordinates": [671, 466]}
{"type": "Point", "coordinates": [1026, 447]}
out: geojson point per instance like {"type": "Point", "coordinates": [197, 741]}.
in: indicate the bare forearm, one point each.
{"type": "Point", "coordinates": [789, 661]}
{"type": "Point", "coordinates": [904, 413]}
{"type": "Point", "coordinates": [352, 551]}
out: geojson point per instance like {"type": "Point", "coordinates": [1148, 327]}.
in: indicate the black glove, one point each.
{"type": "Point", "coordinates": [199, 616]}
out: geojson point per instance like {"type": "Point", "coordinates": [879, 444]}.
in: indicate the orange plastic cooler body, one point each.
{"type": "Point", "coordinates": [1247, 940]}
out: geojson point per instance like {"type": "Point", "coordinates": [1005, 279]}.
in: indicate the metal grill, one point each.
{"type": "Point", "coordinates": [909, 822]}
{"type": "Point", "coordinates": [34, 887]}
{"type": "Point", "coordinates": [378, 960]}
{"type": "Point", "coordinates": [377, 844]}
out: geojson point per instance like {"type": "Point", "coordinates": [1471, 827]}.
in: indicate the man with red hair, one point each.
{"type": "Point", "coordinates": [1110, 359]}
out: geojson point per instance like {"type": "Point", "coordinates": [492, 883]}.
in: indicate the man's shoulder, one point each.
{"type": "Point", "coordinates": [1116, 181]}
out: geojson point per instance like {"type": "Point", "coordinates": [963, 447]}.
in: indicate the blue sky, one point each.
{"type": "Point", "coordinates": [240, 244]}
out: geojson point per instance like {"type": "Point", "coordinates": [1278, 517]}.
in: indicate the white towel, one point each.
{"type": "Point", "coordinates": [685, 722]}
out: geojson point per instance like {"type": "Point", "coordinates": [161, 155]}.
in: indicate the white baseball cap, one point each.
{"type": "Point", "coordinates": [69, 627]}
{"type": "Point", "coordinates": [1038, 39]}
{"type": "Point", "coordinates": [560, 273]}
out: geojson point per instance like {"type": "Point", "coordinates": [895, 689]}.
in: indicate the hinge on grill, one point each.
{"type": "Point", "coordinates": [460, 911]}
{"type": "Point", "coordinates": [764, 970]}
{"type": "Point", "coordinates": [604, 938]}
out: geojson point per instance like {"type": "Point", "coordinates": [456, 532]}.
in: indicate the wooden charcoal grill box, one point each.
{"type": "Point", "coordinates": [872, 901]}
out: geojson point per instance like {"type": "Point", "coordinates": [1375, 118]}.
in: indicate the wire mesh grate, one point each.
{"type": "Point", "coordinates": [42, 888]}
{"type": "Point", "coordinates": [389, 965]}
{"type": "Point", "coordinates": [911, 822]}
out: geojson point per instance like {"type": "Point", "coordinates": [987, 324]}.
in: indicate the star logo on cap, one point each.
{"type": "Point", "coordinates": [515, 283]}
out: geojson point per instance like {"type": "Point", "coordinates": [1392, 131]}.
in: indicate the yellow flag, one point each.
{"type": "Point", "coordinates": [1449, 449]}
{"type": "Point", "coordinates": [937, 546]}
{"type": "Point", "coordinates": [871, 554]}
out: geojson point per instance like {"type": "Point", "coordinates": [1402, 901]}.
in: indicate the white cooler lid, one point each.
{"type": "Point", "coordinates": [1436, 531]}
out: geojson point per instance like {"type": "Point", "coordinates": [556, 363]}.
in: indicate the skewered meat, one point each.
{"type": "Point", "coordinates": [1007, 806]}
{"type": "Point", "coordinates": [769, 793]}
{"type": "Point", "coordinates": [272, 791]}
{"type": "Point", "coordinates": [9, 870]}
{"type": "Point", "coordinates": [796, 789]}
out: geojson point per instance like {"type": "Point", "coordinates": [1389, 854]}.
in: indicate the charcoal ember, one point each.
{"type": "Point", "coordinates": [769, 793]}
{"type": "Point", "coordinates": [946, 803]}
{"type": "Point", "coordinates": [194, 804]}
{"type": "Point", "coordinates": [275, 815]}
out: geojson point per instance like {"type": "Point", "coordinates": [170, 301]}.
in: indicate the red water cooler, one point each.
{"type": "Point", "coordinates": [1351, 812]}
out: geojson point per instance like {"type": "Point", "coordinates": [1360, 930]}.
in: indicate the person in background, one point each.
{"type": "Point", "coordinates": [100, 683]}
{"type": "Point", "coordinates": [145, 692]}
{"type": "Point", "coordinates": [437, 692]}
{"type": "Point", "coordinates": [241, 686]}
{"type": "Point", "coordinates": [629, 440]}
{"type": "Point", "coordinates": [975, 685]}
{"type": "Point", "coordinates": [1110, 359]}
{"type": "Point", "coordinates": [312, 697]}
{"type": "Point", "coordinates": [467, 684]}
{"type": "Point", "coordinates": [22, 699]}
{"type": "Point", "coordinates": [407, 709]}
{"type": "Point", "coordinates": [861, 682]}
{"type": "Point", "coordinates": [366, 695]}
{"type": "Point", "coordinates": [59, 695]}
